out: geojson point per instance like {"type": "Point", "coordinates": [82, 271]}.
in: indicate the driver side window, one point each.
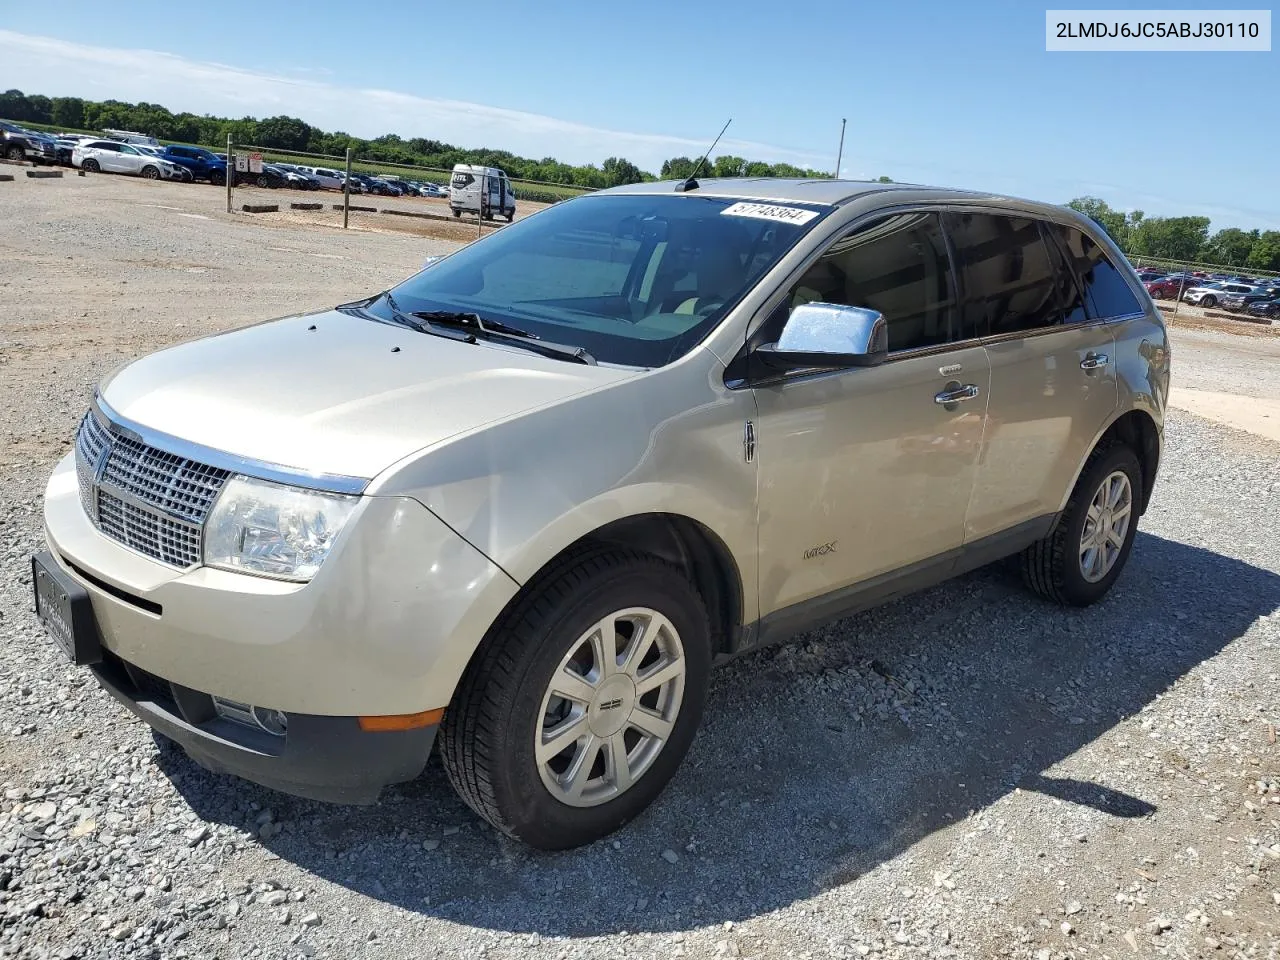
{"type": "Point", "coordinates": [897, 265]}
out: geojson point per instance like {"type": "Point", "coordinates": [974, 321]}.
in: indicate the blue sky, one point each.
{"type": "Point", "coordinates": [959, 94]}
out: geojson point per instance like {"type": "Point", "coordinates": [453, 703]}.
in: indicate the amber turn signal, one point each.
{"type": "Point", "coordinates": [401, 721]}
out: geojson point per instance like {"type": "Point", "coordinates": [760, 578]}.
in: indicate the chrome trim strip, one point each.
{"type": "Point", "coordinates": [258, 469]}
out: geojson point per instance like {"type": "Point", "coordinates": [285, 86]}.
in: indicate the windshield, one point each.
{"type": "Point", "coordinates": [633, 279]}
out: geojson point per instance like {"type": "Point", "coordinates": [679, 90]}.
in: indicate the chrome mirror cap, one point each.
{"type": "Point", "coordinates": [828, 328]}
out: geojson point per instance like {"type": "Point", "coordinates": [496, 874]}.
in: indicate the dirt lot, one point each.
{"type": "Point", "coordinates": [967, 772]}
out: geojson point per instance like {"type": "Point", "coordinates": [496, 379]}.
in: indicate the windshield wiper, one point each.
{"type": "Point", "coordinates": [470, 327]}
{"type": "Point", "coordinates": [472, 321]}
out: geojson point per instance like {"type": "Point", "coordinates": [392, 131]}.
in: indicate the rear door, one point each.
{"type": "Point", "coordinates": [1053, 382]}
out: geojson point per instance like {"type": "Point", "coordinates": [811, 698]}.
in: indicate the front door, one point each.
{"type": "Point", "coordinates": [867, 471]}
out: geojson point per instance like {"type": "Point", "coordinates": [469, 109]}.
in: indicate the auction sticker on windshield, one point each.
{"type": "Point", "coordinates": [769, 211]}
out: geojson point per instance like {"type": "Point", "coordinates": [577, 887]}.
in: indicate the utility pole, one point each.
{"type": "Point", "coordinates": [840, 152]}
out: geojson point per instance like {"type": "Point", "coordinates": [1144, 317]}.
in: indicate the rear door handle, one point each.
{"type": "Point", "coordinates": [956, 394]}
{"type": "Point", "coordinates": [1094, 360]}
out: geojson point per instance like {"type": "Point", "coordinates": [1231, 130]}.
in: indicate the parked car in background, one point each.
{"type": "Point", "coordinates": [328, 179]}
{"type": "Point", "coordinates": [1166, 288]}
{"type": "Point", "coordinates": [434, 190]}
{"type": "Point", "coordinates": [203, 164]}
{"type": "Point", "coordinates": [1268, 309]}
{"type": "Point", "coordinates": [1239, 301]}
{"type": "Point", "coordinates": [384, 188]}
{"type": "Point", "coordinates": [19, 143]}
{"type": "Point", "coordinates": [1211, 294]}
{"type": "Point", "coordinates": [1148, 275]}
{"type": "Point", "coordinates": [184, 174]}
{"type": "Point", "coordinates": [112, 156]}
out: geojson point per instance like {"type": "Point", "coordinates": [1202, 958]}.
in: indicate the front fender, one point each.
{"type": "Point", "coordinates": [670, 442]}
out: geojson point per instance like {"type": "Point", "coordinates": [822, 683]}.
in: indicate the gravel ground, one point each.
{"type": "Point", "coordinates": [968, 772]}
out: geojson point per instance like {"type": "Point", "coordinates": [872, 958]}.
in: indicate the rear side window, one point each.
{"type": "Point", "coordinates": [897, 265]}
{"type": "Point", "coordinates": [1106, 291]}
{"type": "Point", "coordinates": [1009, 283]}
{"type": "Point", "coordinates": [1070, 295]}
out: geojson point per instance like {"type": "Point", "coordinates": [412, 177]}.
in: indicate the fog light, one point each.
{"type": "Point", "coordinates": [274, 722]}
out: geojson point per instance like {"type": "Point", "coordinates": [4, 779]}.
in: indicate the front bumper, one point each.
{"type": "Point", "coordinates": [322, 758]}
{"type": "Point", "coordinates": [387, 626]}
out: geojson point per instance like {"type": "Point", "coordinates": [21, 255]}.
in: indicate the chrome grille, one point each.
{"type": "Point", "coordinates": [170, 483]}
{"type": "Point", "coordinates": [150, 500]}
{"type": "Point", "coordinates": [89, 443]}
{"type": "Point", "coordinates": [169, 541]}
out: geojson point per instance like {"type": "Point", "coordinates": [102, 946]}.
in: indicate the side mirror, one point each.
{"type": "Point", "coordinates": [827, 335]}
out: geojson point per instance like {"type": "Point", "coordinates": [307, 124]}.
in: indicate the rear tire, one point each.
{"type": "Point", "coordinates": [90, 166]}
{"type": "Point", "coordinates": [1061, 567]}
{"type": "Point", "coordinates": [15, 153]}
{"type": "Point", "coordinates": [507, 704]}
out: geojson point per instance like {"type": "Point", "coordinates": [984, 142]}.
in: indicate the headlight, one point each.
{"type": "Point", "coordinates": [273, 530]}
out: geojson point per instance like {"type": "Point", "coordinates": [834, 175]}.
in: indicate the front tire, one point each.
{"type": "Point", "coordinates": [1080, 561]}
{"type": "Point", "coordinates": [150, 173]}
{"type": "Point", "coordinates": [15, 153]}
{"type": "Point", "coordinates": [1209, 302]}
{"type": "Point", "coordinates": [582, 700]}
{"type": "Point", "coordinates": [218, 178]}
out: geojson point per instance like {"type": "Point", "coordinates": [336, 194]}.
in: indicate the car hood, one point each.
{"type": "Point", "coordinates": [335, 393]}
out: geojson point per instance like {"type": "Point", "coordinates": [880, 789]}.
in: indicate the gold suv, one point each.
{"type": "Point", "coordinates": [520, 503]}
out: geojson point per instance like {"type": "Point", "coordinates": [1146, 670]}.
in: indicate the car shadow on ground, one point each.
{"type": "Point", "coordinates": [817, 761]}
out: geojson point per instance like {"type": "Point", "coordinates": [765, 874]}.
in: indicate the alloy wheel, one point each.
{"type": "Point", "coordinates": [1106, 526]}
{"type": "Point", "coordinates": [610, 707]}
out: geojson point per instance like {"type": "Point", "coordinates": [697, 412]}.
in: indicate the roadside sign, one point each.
{"type": "Point", "coordinates": [255, 163]}
{"type": "Point", "coordinates": [242, 163]}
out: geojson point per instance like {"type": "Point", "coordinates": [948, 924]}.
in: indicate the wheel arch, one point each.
{"type": "Point", "coordinates": [1136, 429]}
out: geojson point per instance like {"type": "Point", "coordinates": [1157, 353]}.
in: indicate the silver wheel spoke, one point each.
{"type": "Point", "coordinates": [646, 634]}
{"type": "Point", "coordinates": [572, 686]}
{"type": "Point", "coordinates": [1115, 538]}
{"type": "Point", "coordinates": [558, 738]}
{"type": "Point", "coordinates": [617, 766]}
{"type": "Point", "coordinates": [656, 676]}
{"type": "Point", "coordinates": [651, 724]}
{"type": "Point", "coordinates": [575, 778]}
{"type": "Point", "coordinates": [604, 645]}
{"type": "Point", "coordinates": [1118, 487]}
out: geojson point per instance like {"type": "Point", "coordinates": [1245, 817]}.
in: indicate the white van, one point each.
{"type": "Point", "coordinates": [482, 190]}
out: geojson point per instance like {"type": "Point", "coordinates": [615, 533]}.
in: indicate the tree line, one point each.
{"type": "Point", "coordinates": [290, 133]}
{"type": "Point", "coordinates": [1183, 238]}
{"type": "Point", "coordinates": [1169, 238]}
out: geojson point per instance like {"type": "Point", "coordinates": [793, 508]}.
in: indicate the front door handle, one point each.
{"type": "Point", "coordinates": [1094, 360]}
{"type": "Point", "coordinates": [956, 393]}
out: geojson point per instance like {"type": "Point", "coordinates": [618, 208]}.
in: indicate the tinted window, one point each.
{"type": "Point", "coordinates": [1106, 292]}
{"type": "Point", "coordinates": [1009, 282]}
{"type": "Point", "coordinates": [1071, 297]}
{"type": "Point", "coordinates": [898, 266]}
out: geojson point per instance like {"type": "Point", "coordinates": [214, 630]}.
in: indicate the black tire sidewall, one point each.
{"type": "Point", "coordinates": [532, 813]}
{"type": "Point", "coordinates": [1075, 587]}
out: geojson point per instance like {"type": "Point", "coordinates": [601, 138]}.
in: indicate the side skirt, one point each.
{"type": "Point", "coordinates": [785, 623]}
